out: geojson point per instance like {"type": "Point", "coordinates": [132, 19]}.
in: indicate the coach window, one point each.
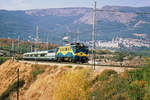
{"type": "Point", "coordinates": [36, 55]}
{"type": "Point", "coordinates": [42, 55]}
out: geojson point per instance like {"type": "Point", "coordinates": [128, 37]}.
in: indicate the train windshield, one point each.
{"type": "Point", "coordinates": [81, 48]}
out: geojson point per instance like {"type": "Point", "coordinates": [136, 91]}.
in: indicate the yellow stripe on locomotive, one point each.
{"type": "Point", "coordinates": [68, 51]}
{"type": "Point", "coordinates": [65, 50]}
{"type": "Point", "coordinates": [81, 54]}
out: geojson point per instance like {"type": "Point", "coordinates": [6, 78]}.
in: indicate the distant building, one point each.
{"type": "Point", "coordinates": [109, 44]}
{"type": "Point", "coordinates": [120, 42]}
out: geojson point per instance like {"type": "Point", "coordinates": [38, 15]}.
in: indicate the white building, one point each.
{"type": "Point", "coordinates": [109, 44]}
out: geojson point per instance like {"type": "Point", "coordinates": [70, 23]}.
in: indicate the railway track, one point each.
{"type": "Point", "coordinates": [75, 64]}
{"type": "Point", "coordinates": [98, 68]}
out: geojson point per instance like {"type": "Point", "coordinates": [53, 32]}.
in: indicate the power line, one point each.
{"type": "Point", "coordinates": [122, 11]}
{"type": "Point", "coordinates": [78, 2]}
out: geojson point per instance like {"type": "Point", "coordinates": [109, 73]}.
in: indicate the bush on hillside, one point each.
{"type": "Point", "coordinates": [2, 60]}
{"type": "Point", "coordinates": [101, 52]}
{"type": "Point", "coordinates": [36, 72]}
{"type": "Point", "coordinates": [37, 69]}
{"type": "Point", "coordinates": [109, 86]}
{"type": "Point", "coordinates": [106, 74]}
{"type": "Point", "coordinates": [119, 56]}
{"type": "Point", "coordinates": [134, 85]}
{"type": "Point", "coordinates": [137, 90]}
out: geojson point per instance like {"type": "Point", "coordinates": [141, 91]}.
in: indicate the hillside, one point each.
{"type": "Point", "coordinates": [34, 87]}
{"type": "Point", "coordinates": [46, 82]}
{"type": "Point", "coordinates": [55, 23]}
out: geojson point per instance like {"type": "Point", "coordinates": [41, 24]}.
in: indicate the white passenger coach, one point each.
{"type": "Point", "coordinates": [40, 55]}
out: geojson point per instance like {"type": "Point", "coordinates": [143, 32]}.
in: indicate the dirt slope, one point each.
{"type": "Point", "coordinates": [40, 80]}
{"type": "Point", "coordinates": [40, 88]}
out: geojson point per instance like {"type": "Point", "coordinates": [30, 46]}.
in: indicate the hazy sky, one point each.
{"type": "Point", "coordinates": [38, 4]}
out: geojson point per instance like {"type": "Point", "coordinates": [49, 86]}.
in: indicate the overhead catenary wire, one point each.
{"type": "Point", "coordinates": [122, 11]}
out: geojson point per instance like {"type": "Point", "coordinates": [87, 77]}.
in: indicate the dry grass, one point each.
{"type": "Point", "coordinates": [73, 85]}
{"type": "Point", "coordinates": [28, 72]}
{"type": "Point", "coordinates": [77, 83]}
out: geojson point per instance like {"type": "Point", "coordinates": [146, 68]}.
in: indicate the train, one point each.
{"type": "Point", "coordinates": [74, 52]}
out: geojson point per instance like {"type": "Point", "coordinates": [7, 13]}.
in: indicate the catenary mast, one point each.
{"type": "Point", "coordinates": [94, 36]}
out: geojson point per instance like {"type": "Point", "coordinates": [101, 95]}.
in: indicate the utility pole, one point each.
{"type": "Point", "coordinates": [12, 48]}
{"type": "Point", "coordinates": [31, 48]}
{"type": "Point", "coordinates": [18, 44]}
{"type": "Point", "coordinates": [78, 36]}
{"type": "Point", "coordinates": [37, 33]}
{"type": "Point", "coordinates": [0, 45]}
{"type": "Point", "coordinates": [94, 35]}
{"type": "Point", "coordinates": [37, 37]}
{"type": "Point", "coordinates": [18, 84]}
{"type": "Point", "coordinates": [47, 43]}
{"type": "Point", "coordinates": [12, 45]}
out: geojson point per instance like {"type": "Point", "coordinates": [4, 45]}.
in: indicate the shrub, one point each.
{"type": "Point", "coordinates": [101, 52]}
{"type": "Point", "coordinates": [119, 56]}
{"type": "Point", "coordinates": [3, 59]}
{"type": "Point", "coordinates": [134, 75]}
{"type": "Point", "coordinates": [136, 90]}
{"type": "Point", "coordinates": [69, 66]}
{"type": "Point", "coordinates": [37, 69]}
{"type": "Point", "coordinates": [110, 86]}
{"type": "Point", "coordinates": [105, 75]}
{"type": "Point", "coordinates": [36, 72]}
{"type": "Point", "coordinates": [130, 85]}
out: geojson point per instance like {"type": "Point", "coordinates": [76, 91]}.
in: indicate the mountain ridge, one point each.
{"type": "Point", "coordinates": [55, 23]}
